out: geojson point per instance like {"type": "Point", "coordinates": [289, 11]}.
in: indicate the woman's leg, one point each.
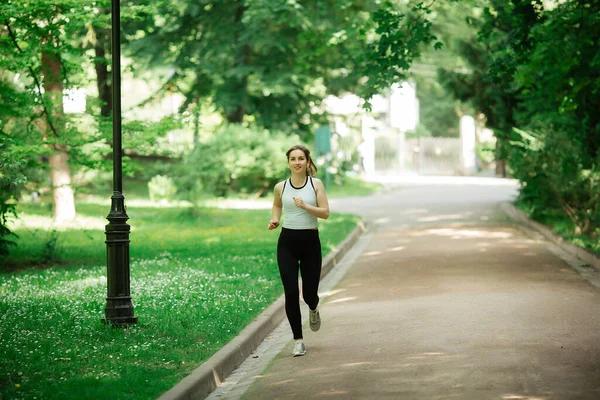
{"type": "Point", "coordinates": [288, 269]}
{"type": "Point", "coordinates": [310, 269]}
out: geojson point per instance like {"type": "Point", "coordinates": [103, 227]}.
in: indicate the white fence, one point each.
{"type": "Point", "coordinates": [426, 156]}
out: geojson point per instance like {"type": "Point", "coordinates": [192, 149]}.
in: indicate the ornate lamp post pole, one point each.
{"type": "Point", "coordinates": [119, 309]}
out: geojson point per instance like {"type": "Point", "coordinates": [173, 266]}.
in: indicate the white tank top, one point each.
{"type": "Point", "coordinates": [296, 217]}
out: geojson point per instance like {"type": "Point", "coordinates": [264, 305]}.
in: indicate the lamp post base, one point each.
{"type": "Point", "coordinates": [123, 321]}
{"type": "Point", "coordinates": [119, 311]}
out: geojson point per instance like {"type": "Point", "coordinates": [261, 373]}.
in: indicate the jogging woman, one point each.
{"type": "Point", "coordinates": [302, 199]}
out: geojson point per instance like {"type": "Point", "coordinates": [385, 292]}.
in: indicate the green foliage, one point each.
{"type": "Point", "coordinates": [30, 126]}
{"type": "Point", "coordinates": [6, 211]}
{"type": "Point", "coordinates": [15, 163]}
{"type": "Point", "coordinates": [551, 165]}
{"type": "Point", "coordinates": [395, 36]}
{"type": "Point", "coordinates": [533, 74]}
{"type": "Point", "coordinates": [38, 40]}
{"type": "Point", "coordinates": [559, 82]}
{"type": "Point", "coordinates": [10, 179]}
{"type": "Point", "coordinates": [485, 153]}
{"type": "Point", "coordinates": [272, 62]}
{"type": "Point", "coordinates": [558, 158]}
{"type": "Point", "coordinates": [50, 248]}
{"type": "Point", "coordinates": [269, 62]}
{"type": "Point", "coordinates": [393, 45]}
{"type": "Point", "coordinates": [161, 188]}
{"type": "Point", "coordinates": [235, 159]}
{"type": "Point", "coordinates": [336, 167]}
{"type": "Point", "coordinates": [437, 112]}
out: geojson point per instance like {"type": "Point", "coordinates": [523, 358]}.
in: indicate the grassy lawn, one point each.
{"type": "Point", "coordinates": [352, 187]}
{"type": "Point", "coordinates": [197, 279]}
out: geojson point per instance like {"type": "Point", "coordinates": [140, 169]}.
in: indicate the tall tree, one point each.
{"type": "Point", "coordinates": [53, 125]}
{"type": "Point", "coordinates": [267, 59]}
{"type": "Point", "coordinates": [101, 43]}
{"type": "Point", "coordinates": [491, 53]}
{"type": "Point", "coordinates": [42, 55]}
{"type": "Point", "coordinates": [34, 33]}
{"type": "Point", "coordinates": [276, 60]}
{"type": "Point", "coordinates": [534, 73]}
{"type": "Point", "coordinates": [557, 153]}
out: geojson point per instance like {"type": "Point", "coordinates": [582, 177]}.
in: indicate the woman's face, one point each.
{"type": "Point", "coordinates": [297, 162]}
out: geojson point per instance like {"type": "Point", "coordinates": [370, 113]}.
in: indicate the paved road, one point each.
{"type": "Point", "coordinates": [443, 299]}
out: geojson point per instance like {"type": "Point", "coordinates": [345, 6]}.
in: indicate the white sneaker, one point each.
{"type": "Point", "coordinates": [314, 320]}
{"type": "Point", "coordinates": [299, 349]}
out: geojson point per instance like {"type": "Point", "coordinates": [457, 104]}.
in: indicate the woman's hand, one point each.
{"type": "Point", "coordinates": [273, 224]}
{"type": "Point", "coordinates": [299, 202]}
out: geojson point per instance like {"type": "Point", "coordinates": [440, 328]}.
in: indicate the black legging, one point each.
{"type": "Point", "coordinates": [301, 247]}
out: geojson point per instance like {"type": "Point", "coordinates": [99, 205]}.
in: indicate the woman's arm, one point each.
{"type": "Point", "coordinates": [276, 208]}
{"type": "Point", "coordinates": [322, 208]}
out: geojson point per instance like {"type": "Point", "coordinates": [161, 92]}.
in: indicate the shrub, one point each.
{"type": "Point", "coordinates": [161, 188]}
{"type": "Point", "coordinates": [235, 160]}
{"type": "Point", "coordinates": [485, 152]}
{"type": "Point", "coordinates": [555, 173]}
{"type": "Point", "coordinates": [6, 211]}
{"type": "Point", "coordinates": [14, 160]}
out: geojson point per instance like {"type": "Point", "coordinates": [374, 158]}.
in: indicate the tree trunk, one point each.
{"type": "Point", "coordinates": [101, 66]}
{"type": "Point", "coordinates": [501, 168]}
{"type": "Point", "coordinates": [237, 116]}
{"type": "Point", "coordinates": [500, 161]}
{"type": "Point", "coordinates": [62, 192]}
{"type": "Point", "coordinates": [239, 86]}
{"type": "Point", "coordinates": [196, 122]}
{"type": "Point", "coordinates": [60, 172]}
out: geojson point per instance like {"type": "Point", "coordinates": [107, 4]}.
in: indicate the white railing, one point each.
{"type": "Point", "coordinates": [426, 156]}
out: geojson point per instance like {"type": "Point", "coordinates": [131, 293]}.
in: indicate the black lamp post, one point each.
{"type": "Point", "coordinates": [119, 309]}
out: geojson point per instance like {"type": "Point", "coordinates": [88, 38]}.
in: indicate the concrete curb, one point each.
{"type": "Point", "coordinates": [519, 216]}
{"type": "Point", "coordinates": [204, 379]}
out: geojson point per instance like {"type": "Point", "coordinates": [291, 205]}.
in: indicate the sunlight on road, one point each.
{"type": "Point", "coordinates": [332, 392]}
{"type": "Point", "coordinates": [464, 233]}
{"type": "Point", "coordinates": [422, 356]}
{"type": "Point", "coordinates": [342, 300]}
{"type": "Point", "coordinates": [332, 292]}
{"type": "Point", "coordinates": [399, 248]}
{"type": "Point", "coordinates": [436, 218]}
{"type": "Point", "coordinates": [412, 211]}
{"type": "Point", "coordinates": [372, 253]}
{"type": "Point", "coordinates": [356, 364]}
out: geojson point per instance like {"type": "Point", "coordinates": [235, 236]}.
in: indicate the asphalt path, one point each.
{"type": "Point", "coordinates": [442, 298]}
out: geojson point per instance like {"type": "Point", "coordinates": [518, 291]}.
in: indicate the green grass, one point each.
{"type": "Point", "coordinates": [196, 282]}
{"type": "Point", "coordinates": [353, 187]}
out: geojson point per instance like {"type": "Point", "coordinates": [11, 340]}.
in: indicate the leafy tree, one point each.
{"type": "Point", "coordinates": [533, 73]}
{"type": "Point", "coordinates": [42, 63]}
{"type": "Point", "coordinates": [46, 48]}
{"type": "Point", "coordinates": [13, 164]}
{"type": "Point", "coordinates": [394, 36]}
{"type": "Point", "coordinates": [236, 160]}
{"type": "Point", "coordinates": [558, 153]}
{"type": "Point", "coordinates": [269, 60]}
{"type": "Point", "coordinates": [272, 62]}
{"type": "Point", "coordinates": [484, 81]}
